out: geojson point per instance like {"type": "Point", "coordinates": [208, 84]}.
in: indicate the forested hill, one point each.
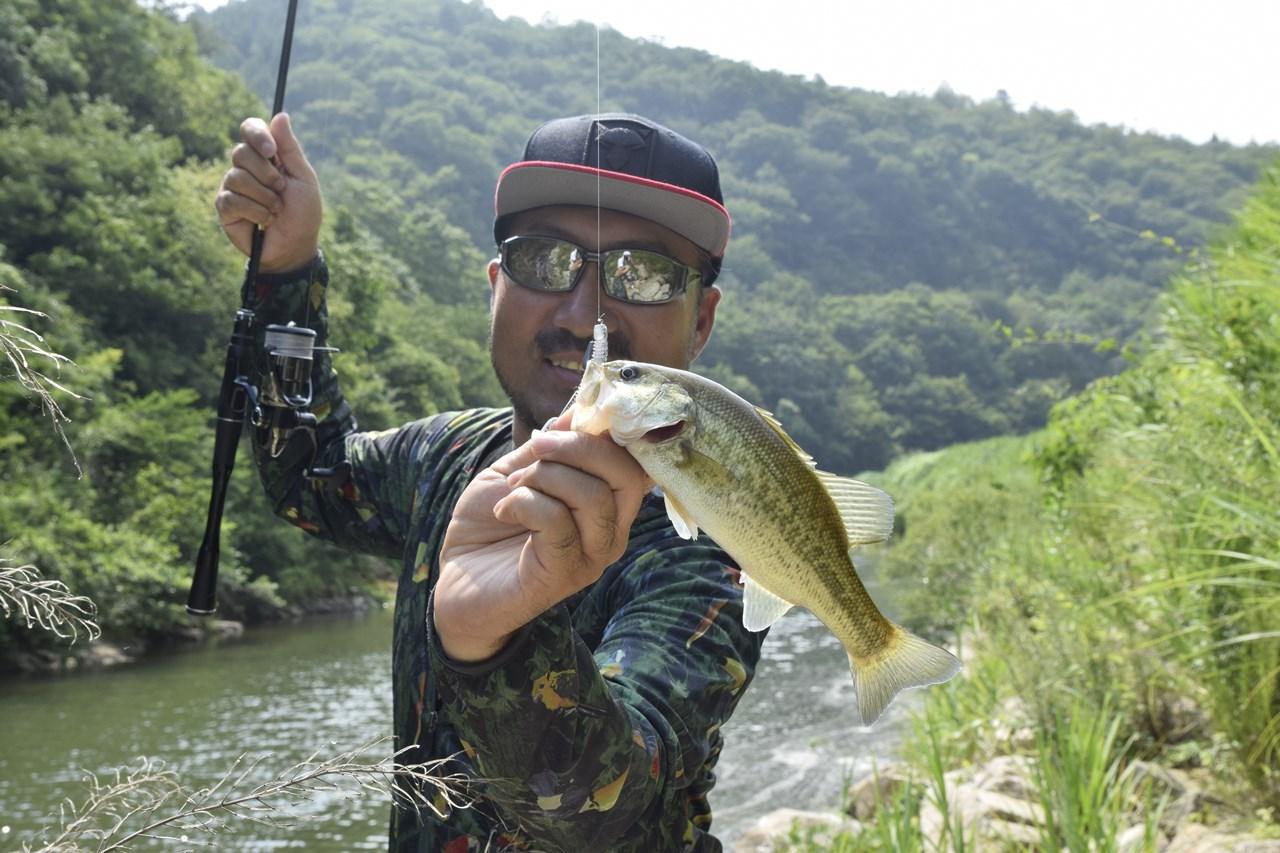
{"type": "Point", "coordinates": [1023, 230]}
{"type": "Point", "coordinates": [883, 248]}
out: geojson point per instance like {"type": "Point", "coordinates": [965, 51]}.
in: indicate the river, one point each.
{"type": "Point", "coordinates": [286, 691]}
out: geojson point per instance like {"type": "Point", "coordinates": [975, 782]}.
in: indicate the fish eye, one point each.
{"type": "Point", "coordinates": [628, 374]}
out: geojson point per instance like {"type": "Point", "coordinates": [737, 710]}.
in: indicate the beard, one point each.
{"type": "Point", "coordinates": [545, 344]}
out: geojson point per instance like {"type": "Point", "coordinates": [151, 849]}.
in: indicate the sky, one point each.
{"type": "Point", "coordinates": [1190, 68]}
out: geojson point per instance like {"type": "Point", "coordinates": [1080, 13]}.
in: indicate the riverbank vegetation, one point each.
{"type": "Point", "coordinates": [1113, 580]}
{"type": "Point", "coordinates": [113, 131]}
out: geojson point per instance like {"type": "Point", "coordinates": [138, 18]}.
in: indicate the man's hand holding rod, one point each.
{"type": "Point", "coordinates": [271, 184]}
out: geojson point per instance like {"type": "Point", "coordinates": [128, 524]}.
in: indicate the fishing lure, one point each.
{"type": "Point", "coordinates": [597, 351]}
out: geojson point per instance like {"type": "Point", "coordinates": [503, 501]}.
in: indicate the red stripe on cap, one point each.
{"type": "Point", "coordinates": [617, 176]}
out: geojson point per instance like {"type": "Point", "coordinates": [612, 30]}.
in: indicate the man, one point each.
{"type": "Point", "coordinates": [551, 628]}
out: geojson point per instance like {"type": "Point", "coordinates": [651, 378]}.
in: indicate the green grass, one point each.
{"type": "Point", "coordinates": [1085, 787]}
{"type": "Point", "coordinates": [1126, 557]}
{"type": "Point", "coordinates": [1084, 782]}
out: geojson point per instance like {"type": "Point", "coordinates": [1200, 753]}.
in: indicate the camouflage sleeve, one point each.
{"type": "Point", "coordinates": [589, 748]}
{"type": "Point", "coordinates": [366, 504]}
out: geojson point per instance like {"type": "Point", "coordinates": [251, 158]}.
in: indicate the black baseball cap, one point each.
{"type": "Point", "coordinates": [622, 162]}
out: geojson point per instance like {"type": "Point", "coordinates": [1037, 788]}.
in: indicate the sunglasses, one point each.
{"type": "Point", "coordinates": [629, 275]}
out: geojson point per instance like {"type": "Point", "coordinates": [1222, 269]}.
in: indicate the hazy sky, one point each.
{"type": "Point", "coordinates": [1187, 67]}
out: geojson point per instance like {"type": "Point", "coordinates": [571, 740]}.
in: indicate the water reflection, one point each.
{"type": "Point", "coordinates": [286, 691]}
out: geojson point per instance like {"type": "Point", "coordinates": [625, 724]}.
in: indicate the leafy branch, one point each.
{"type": "Point", "coordinates": [46, 603]}
{"type": "Point", "coordinates": [1147, 234]}
{"type": "Point", "coordinates": [148, 801]}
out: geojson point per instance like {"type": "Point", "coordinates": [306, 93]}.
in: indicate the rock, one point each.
{"type": "Point", "coordinates": [1256, 845]}
{"type": "Point", "coordinates": [1013, 728]}
{"type": "Point", "coordinates": [338, 604]}
{"type": "Point", "coordinates": [990, 819]}
{"type": "Point", "coordinates": [38, 660]}
{"type": "Point", "coordinates": [225, 629]}
{"type": "Point", "coordinates": [1198, 838]}
{"type": "Point", "coordinates": [192, 631]}
{"type": "Point", "coordinates": [95, 655]}
{"type": "Point", "coordinates": [1134, 840]}
{"type": "Point", "coordinates": [1176, 719]}
{"type": "Point", "coordinates": [100, 654]}
{"type": "Point", "coordinates": [1183, 798]}
{"type": "Point", "coordinates": [1012, 775]}
{"type": "Point", "coordinates": [885, 785]}
{"type": "Point", "coordinates": [1002, 833]}
{"type": "Point", "coordinates": [776, 826]}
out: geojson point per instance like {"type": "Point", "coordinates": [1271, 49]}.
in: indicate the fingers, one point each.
{"type": "Point", "coordinates": [254, 133]}
{"type": "Point", "coordinates": [578, 494]}
{"type": "Point", "coordinates": [555, 537]}
{"type": "Point", "coordinates": [596, 455]}
{"type": "Point", "coordinates": [270, 183]}
{"type": "Point", "coordinates": [574, 510]}
{"type": "Point", "coordinates": [252, 189]}
{"type": "Point", "coordinates": [242, 197]}
{"type": "Point", "coordinates": [261, 170]}
{"type": "Point", "coordinates": [522, 457]}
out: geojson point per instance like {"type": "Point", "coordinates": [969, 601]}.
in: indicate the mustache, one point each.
{"type": "Point", "coordinates": [552, 341]}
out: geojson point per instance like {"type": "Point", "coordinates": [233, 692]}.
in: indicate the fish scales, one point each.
{"type": "Point", "coordinates": [729, 469]}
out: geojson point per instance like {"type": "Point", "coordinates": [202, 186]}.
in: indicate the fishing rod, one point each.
{"type": "Point", "coordinates": [290, 348]}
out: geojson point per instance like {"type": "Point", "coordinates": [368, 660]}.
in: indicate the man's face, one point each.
{"type": "Point", "coordinates": [538, 338]}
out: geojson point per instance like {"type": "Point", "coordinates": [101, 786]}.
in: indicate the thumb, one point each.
{"type": "Point", "coordinates": [289, 150]}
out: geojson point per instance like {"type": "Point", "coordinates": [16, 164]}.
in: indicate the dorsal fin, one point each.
{"type": "Point", "coordinates": [772, 421]}
{"type": "Point", "coordinates": [867, 512]}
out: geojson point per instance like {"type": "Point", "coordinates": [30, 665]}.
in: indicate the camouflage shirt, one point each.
{"type": "Point", "coordinates": [598, 726]}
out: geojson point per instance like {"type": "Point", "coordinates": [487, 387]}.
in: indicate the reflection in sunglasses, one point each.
{"type": "Point", "coordinates": [638, 276]}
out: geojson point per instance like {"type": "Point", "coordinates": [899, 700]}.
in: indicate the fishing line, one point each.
{"type": "Point", "coordinates": [598, 163]}
{"type": "Point", "coordinates": [598, 349]}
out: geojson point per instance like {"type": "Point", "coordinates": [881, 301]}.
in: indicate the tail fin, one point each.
{"type": "Point", "coordinates": [906, 661]}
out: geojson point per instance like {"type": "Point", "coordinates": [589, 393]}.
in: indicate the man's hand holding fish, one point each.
{"type": "Point", "coordinates": [558, 509]}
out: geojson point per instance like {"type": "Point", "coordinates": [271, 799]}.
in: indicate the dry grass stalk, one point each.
{"type": "Point", "coordinates": [149, 801]}
{"type": "Point", "coordinates": [46, 603]}
{"type": "Point", "coordinates": [21, 346]}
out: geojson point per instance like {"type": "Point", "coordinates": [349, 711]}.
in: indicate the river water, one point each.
{"type": "Point", "coordinates": [287, 691]}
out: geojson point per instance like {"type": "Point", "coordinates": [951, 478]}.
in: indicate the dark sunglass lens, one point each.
{"type": "Point", "coordinates": [638, 276]}
{"type": "Point", "coordinates": [542, 264]}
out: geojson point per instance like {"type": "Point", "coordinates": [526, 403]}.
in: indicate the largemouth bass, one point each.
{"type": "Point", "coordinates": [728, 468]}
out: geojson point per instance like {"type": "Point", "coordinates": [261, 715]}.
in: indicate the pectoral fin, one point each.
{"type": "Point", "coordinates": [680, 518]}
{"type": "Point", "coordinates": [760, 608]}
{"type": "Point", "coordinates": [867, 512]}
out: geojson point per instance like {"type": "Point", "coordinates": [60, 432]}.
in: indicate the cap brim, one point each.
{"type": "Point", "coordinates": [537, 183]}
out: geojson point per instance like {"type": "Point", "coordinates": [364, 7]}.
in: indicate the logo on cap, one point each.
{"type": "Point", "coordinates": [617, 145]}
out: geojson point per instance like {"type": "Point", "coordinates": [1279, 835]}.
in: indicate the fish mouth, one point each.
{"type": "Point", "coordinates": [665, 433]}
